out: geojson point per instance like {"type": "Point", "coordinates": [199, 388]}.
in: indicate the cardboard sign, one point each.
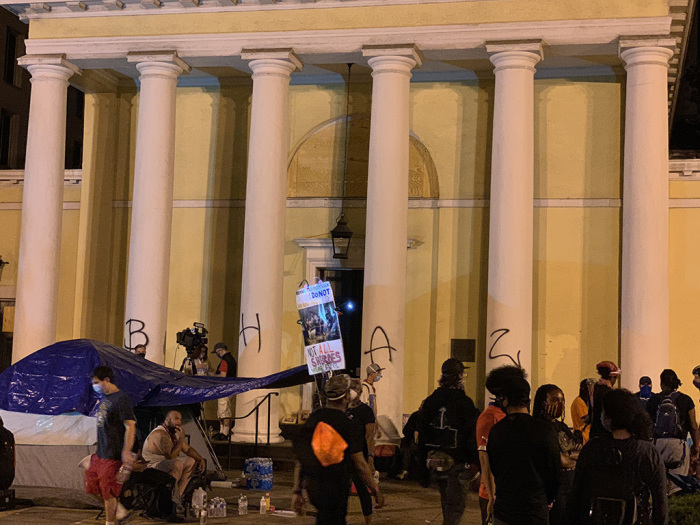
{"type": "Point", "coordinates": [323, 345]}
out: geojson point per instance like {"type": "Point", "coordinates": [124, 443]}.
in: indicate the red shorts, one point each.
{"type": "Point", "coordinates": [101, 477]}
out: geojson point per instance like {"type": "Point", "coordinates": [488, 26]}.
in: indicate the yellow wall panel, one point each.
{"type": "Point", "coordinates": [411, 15]}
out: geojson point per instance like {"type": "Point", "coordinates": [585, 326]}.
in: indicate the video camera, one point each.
{"type": "Point", "coordinates": [191, 338]}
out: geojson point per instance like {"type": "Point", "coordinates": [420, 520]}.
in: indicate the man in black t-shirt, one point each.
{"type": "Point", "coordinates": [524, 458]}
{"type": "Point", "coordinates": [328, 448]}
{"type": "Point", "coordinates": [363, 416]}
{"type": "Point", "coordinates": [116, 431]}
{"type": "Point", "coordinates": [227, 368]}
{"type": "Point", "coordinates": [673, 447]}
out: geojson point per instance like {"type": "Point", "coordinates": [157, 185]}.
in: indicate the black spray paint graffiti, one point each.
{"type": "Point", "coordinates": [252, 327]}
{"type": "Point", "coordinates": [373, 349]}
{"type": "Point", "coordinates": [143, 336]}
{"type": "Point", "coordinates": [502, 332]}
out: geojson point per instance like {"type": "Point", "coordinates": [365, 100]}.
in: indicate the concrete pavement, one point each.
{"type": "Point", "coordinates": [406, 503]}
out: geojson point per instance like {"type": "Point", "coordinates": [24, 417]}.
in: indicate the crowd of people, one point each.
{"type": "Point", "coordinates": [624, 456]}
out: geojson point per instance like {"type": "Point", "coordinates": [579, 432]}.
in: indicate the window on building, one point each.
{"type": "Point", "coordinates": [12, 44]}
{"type": "Point", "coordinates": [5, 138]}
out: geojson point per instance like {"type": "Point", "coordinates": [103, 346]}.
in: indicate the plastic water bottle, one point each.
{"type": "Point", "coordinates": [242, 505]}
{"type": "Point", "coordinates": [203, 517]}
{"type": "Point", "coordinates": [211, 510]}
{"type": "Point", "coordinates": [263, 505]}
{"type": "Point", "coordinates": [267, 501]}
{"type": "Point", "coordinates": [224, 511]}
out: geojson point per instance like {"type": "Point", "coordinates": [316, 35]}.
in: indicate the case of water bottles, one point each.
{"type": "Point", "coordinates": [258, 473]}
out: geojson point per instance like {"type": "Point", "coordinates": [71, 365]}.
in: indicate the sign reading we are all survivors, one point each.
{"type": "Point", "coordinates": [323, 345]}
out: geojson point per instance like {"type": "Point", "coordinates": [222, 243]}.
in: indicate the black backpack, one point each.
{"type": "Point", "coordinates": [7, 457]}
{"type": "Point", "coordinates": [667, 423]}
{"type": "Point", "coordinates": [150, 492]}
{"type": "Point", "coordinates": [613, 500]}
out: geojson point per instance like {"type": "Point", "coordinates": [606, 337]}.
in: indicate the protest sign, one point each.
{"type": "Point", "coordinates": [323, 345]}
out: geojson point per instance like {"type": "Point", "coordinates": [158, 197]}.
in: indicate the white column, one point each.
{"type": "Point", "coordinates": [152, 203]}
{"type": "Point", "coordinates": [645, 219]}
{"type": "Point", "coordinates": [384, 303]}
{"type": "Point", "coordinates": [42, 205]}
{"type": "Point", "coordinates": [260, 342]}
{"type": "Point", "coordinates": [509, 307]}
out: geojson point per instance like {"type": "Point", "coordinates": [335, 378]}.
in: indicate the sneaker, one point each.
{"type": "Point", "coordinates": [121, 511]}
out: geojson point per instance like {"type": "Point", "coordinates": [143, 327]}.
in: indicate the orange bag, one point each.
{"type": "Point", "coordinates": [328, 446]}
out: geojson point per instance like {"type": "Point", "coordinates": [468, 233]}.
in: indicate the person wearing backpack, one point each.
{"type": "Point", "coordinates": [328, 448]}
{"type": "Point", "coordinates": [673, 415]}
{"type": "Point", "coordinates": [446, 437]}
{"type": "Point", "coordinates": [620, 478]}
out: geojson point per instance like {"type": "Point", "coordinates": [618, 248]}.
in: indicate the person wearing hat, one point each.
{"type": "Point", "coordinates": [673, 415]}
{"type": "Point", "coordinates": [329, 448]}
{"type": "Point", "coordinates": [447, 438]}
{"type": "Point", "coordinates": [645, 392]}
{"type": "Point", "coordinates": [369, 393]}
{"type": "Point", "coordinates": [609, 373]}
{"type": "Point", "coordinates": [227, 368]}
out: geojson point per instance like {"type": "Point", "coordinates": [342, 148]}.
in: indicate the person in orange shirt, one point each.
{"type": "Point", "coordinates": [580, 409]}
{"type": "Point", "coordinates": [487, 488]}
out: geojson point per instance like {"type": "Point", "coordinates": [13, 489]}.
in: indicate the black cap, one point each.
{"type": "Point", "coordinates": [220, 345]}
{"type": "Point", "coordinates": [452, 366]}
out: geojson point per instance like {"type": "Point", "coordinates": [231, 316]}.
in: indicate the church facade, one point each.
{"type": "Point", "coordinates": [503, 165]}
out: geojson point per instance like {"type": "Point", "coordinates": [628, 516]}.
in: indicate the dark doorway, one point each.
{"type": "Point", "coordinates": [6, 314]}
{"type": "Point", "coordinates": [347, 286]}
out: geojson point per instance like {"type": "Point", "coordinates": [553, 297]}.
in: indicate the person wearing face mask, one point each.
{"type": "Point", "coordinates": [549, 406]}
{"type": "Point", "coordinates": [645, 393]}
{"type": "Point", "coordinates": [362, 415]}
{"type": "Point", "coordinates": [328, 448]}
{"type": "Point", "coordinates": [447, 438]}
{"type": "Point", "coordinates": [140, 351]}
{"type": "Point", "coordinates": [620, 475]}
{"type": "Point", "coordinates": [369, 392]}
{"type": "Point", "coordinates": [524, 456]}
{"type": "Point", "coordinates": [166, 449]}
{"type": "Point", "coordinates": [116, 432]}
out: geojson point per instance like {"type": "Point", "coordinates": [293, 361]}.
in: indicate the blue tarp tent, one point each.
{"type": "Point", "coordinates": [57, 379]}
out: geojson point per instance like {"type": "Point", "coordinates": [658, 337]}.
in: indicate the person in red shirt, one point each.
{"type": "Point", "coordinates": [487, 489]}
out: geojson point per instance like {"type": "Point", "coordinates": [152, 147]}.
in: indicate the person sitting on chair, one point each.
{"type": "Point", "coordinates": [162, 450]}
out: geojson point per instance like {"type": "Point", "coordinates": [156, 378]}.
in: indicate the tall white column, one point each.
{"type": "Point", "coordinates": [152, 203]}
{"type": "Point", "coordinates": [645, 219]}
{"type": "Point", "coordinates": [509, 307]}
{"type": "Point", "coordinates": [384, 304]}
{"type": "Point", "coordinates": [260, 342]}
{"type": "Point", "coordinates": [42, 205]}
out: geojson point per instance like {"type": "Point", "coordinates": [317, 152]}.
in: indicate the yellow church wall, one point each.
{"type": "Point", "coordinates": [681, 189]}
{"type": "Point", "coordinates": [346, 17]}
{"type": "Point", "coordinates": [578, 138]}
{"type": "Point", "coordinates": [684, 281]}
{"type": "Point", "coordinates": [575, 294]}
{"type": "Point", "coordinates": [9, 241]}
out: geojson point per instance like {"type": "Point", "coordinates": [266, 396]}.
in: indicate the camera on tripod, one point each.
{"type": "Point", "coordinates": [193, 338]}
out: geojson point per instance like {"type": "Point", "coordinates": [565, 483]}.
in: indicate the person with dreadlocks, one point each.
{"type": "Point", "coordinates": [548, 406]}
{"type": "Point", "coordinates": [581, 409]}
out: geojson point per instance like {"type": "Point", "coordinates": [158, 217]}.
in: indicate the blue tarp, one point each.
{"type": "Point", "coordinates": [58, 379]}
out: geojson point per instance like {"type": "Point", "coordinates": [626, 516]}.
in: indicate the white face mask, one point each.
{"type": "Point", "coordinates": [379, 376]}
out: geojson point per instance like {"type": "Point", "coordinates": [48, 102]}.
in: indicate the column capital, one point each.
{"type": "Point", "coordinates": [646, 51]}
{"type": "Point", "coordinates": [521, 54]}
{"type": "Point", "coordinates": [49, 66]}
{"type": "Point", "coordinates": [158, 63]}
{"type": "Point", "coordinates": [400, 58]}
{"type": "Point", "coordinates": [276, 62]}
